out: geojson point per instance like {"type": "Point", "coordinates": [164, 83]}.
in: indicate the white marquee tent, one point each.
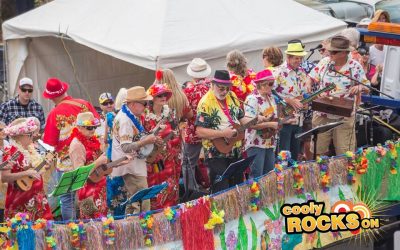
{"type": "Point", "coordinates": [104, 45]}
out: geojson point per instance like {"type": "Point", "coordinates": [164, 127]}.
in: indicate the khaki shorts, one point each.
{"type": "Point", "coordinates": [343, 136]}
{"type": "Point", "coordinates": [133, 184]}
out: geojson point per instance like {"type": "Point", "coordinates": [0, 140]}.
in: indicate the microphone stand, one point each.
{"type": "Point", "coordinates": [371, 89]}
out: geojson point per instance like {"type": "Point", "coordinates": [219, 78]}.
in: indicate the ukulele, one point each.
{"type": "Point", "coordinates": [25, 183]}
{"type": "Point", "coordinates": [225, 145]}
{"type": "Point", "coordinates": [146, 150]}
{"type": "Point", "coordinates": [105, 169]}
{"type": "Point", "coordinates": [13, 158]}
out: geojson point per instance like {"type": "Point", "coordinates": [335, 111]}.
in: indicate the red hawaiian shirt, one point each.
{"type": "Point", "coordinates": [194, 93]}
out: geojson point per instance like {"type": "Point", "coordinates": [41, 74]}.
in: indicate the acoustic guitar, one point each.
{"type": "Point", "coordinates": [13, 158]}
{"type": "Point", "coordinates": [289, 110]}
{"type": "Point", "coordinates": [225, 145]}
{"type": "Point", "coordinates": [25, 183]}
{"type": "Point", "coordinates": [105, 169]}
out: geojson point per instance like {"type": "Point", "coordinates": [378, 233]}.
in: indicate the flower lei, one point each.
{"type": "Point", "coordinates": [350, 167]}
{"type": "Point", "coordinates": [129, 114]}
{"type": "Point", "coordinates": [108, 230]}
{"type": "Point", "coordinates": [47, 226]}
{"type": "Point", "coordinates": [255, 195]}
{"type": "Point", "coordinates": [18, 222]}
{"type": "Point", "coordinates": [243, 84]}
{"type": "Point", "coordinates": [393, 157]}
{"type": "Point", "coordinates": [298, 178]}
{"type": "Point", "coordinates": [216, 218]}
{"type": "Point", "coordinates": [282, 160]}
{"type": "Point", "coordinates": [78, 235]}
{"type": "Point", "coordinates": [171, 214]}
{"type": "Point", "coordinates": [361, 161]}
{"type": "Point", "coordinates": [91, 144]}
{"type": "Point", "coordinates": [31, 156]}
{"type": "Point", "coordinates": [146, 222]}
{"type": "Point", "coordinates": [324, 172]}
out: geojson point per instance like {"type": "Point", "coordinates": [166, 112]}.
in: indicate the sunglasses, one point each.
{"type": "Point", "coordinates": [90, 128]}
{"type": "Point", "coordinates": [334, 52]}
{"type": "Point", "coordinates": [26, 90]}
{"type": "Point", "coordinates": [107, 103]}
{"type": "Point", "coordinates": [162, 95]}
{"type": "Point", "coordinates": [143, 103]}
{"type": "Point", "coordinates": [265, 84]}
{"type": "Point", "coordinates": [223, 88]}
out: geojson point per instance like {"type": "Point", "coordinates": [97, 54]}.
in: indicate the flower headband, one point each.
{"type": "Point", "coordinates": [88, 123]}
{"type": "Point", "coordinates": [21, 126]}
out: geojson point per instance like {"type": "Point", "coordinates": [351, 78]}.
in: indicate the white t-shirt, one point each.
{"type": "Point", "coordinates": [123, 132]}
{"type": "Point", "coordinates": [376, 56]}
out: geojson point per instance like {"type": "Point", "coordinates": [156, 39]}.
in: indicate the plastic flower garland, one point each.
{"type": "Point", "coordinates": [243, 86]}
{"type": "Point", "coordinates": [171, 214]}
{"type": "Point", "coordinates": [108, 230]}
{"type": "Point", "coordinates": [147, 222]}
{"type": "Point", "coordinates": [78, 235]}
{"type": "Point", "coordinates": [324, 172]}
{"type": "Point", "coordinates": [216, 218]}
{"type": "Point", "coordinates": [255, 195]}
{"type": "Point", "coordinates": [88, 123]}
{"type": "Point", "coordinates": [350, 167]}
{"type": "Point", "coordinates": [47, 226]}
{"type": "Point", "coordinates": [361, 161]}
{"type": "Point", "coordinates": [298, 178]}
{"type": "Point", "coordinates": [282, 161]}
{"type": "Point", "coordinates": [18, 223]}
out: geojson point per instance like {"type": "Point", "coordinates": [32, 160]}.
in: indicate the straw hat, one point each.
{"type": "Point", "coordinates": [339, 43]}
{"type": "Point", "coordinates": [198, 68]}
{"type": "Point", "coordinates": [21, 126]}
{"type": "Point", "coordinates": [87, 119]}
{"type": "Point", "coordinates": [295, 48]}
{"type": "Point", "coordinates": [137, 93]}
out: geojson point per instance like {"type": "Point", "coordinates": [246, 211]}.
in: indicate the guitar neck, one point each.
{"type": "Point", "coordinates": [247, 125]}
{"type": "Point", "coordinates": [116, 162]}
{"type": "Point", "coordinates": [15, 156]}
{"type": "Point", "coordinates": [314, 95]}
{"type": "Point", "coordinates": [40, 166]}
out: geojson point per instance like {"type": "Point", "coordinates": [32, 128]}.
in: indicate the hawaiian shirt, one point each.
{"type": "Point", "coordinates": [290, 82]}
{"type": "Point", "coordinates": [194, 93]}
{"type": "Point", "coordinates": [211, 115]}
{"type": "Point", "coordinates": [256, 104]}
{"type": "Point", "coordinates": [243, 86]}
{"type": "Point", "coordinates": [59, 125]}
{"type": "Point", "coordinates": [322, 75]}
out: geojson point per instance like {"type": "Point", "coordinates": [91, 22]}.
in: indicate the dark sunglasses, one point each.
{"type": "Point", "coordinates": [223, 88]}
{"type": "Point", "coordinates": [26, 90]}
{"type": "Point", "coordinates": [107, 103]}
{"type": "Point", "coordinates": [334, 52]}
{"type": "Point", "coordinates": [90, 128]}
{"type": "Point", "coordinates": [162, 95]}
{"type": "Point", "coordinates": [143, 103]}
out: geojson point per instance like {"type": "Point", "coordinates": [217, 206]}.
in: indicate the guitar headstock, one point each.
{"type": "Point", "coordinates": [165, 111]}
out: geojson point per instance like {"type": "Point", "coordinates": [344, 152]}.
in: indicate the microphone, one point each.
{"type": "Point", "coordinates": [280, 99]}
{"type": "Point", "coordinates": [317, 48]}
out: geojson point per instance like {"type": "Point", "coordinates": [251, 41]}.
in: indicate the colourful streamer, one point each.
{"type": "Point", "coordinates": [324, 173]}
{"type": "Point", "coordinates": [255, 196]}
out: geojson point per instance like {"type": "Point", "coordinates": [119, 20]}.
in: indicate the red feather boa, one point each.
{"type": "Point", "coordinates": [91, 144]}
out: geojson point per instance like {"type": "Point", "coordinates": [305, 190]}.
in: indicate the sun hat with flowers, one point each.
{"type": "Point", "coordinates": [87, 119]}
{"type": "Point", "coordinates": [157, 89]}
{"type": "Point", "coordinates": [21, 126]}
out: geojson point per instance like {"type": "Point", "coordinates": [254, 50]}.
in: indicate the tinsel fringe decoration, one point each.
{"type": "Point", "coordinates": [166, 230]}
{"type": "Point", "coordinates": [193, 218]}
{"type": "Point", "coordinates": [230, 203]}
{"type": "Point", "coordinates": [95, 241]}
{"type": "Point", "coordinates": [128, 229]}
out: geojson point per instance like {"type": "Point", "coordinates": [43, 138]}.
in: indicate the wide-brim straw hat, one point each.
{"type": "Point", "coordinates": [137, 94]}
{"type": "Point", "coordinates": [87, 119]}
{"type": "Point", "coordinates": [198, 68]}
{"type": "Point", "coordinates": [339, 43]}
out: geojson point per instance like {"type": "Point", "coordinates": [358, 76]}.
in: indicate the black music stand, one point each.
{"type": "Point", "coordinates": [317, 130]}
{"type": "Point", "coordinates": [237, 166]}
{"type": "Point", "coordinates": [145, 194]}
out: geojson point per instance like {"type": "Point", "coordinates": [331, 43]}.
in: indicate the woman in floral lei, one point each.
{"type": "Point", "coordinates": [84, 150]}
{"type": "Point", "coordinates": [241, 77]}
{"type": "Point", "coordinates": [34, 201]}
{"type": "Point", "coordinates": [167, 166]}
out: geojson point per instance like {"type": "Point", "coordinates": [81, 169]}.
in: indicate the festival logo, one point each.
{"type": "Point", "coordinates": [344, 216]}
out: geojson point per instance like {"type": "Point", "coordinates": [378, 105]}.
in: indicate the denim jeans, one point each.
{"type": "Point", "coordinates": [190, 160]}
{"type": "Point", "coordinates": [68, 209]}
{"type": "Point", "coordinates": [264, 161]}
{"type": "Point", "coordinates": [288, 141]}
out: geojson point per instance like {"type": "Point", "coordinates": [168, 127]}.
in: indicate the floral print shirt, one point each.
{"type": "Point", "coordinates": [290, 82]}
{"type": "Point", "coordinates": [211, 115]}
{"type": "Point", "coordinates": [321, 75]}
{"type": "Point", "coordinates": [194, 93]}
{"type": "Point", "coordinates": [243, 86]}
{"type": "Point", "coordinates": [256, 104]}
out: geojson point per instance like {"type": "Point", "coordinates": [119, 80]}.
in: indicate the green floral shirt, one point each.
{"type": "Point", "coordinates": [210, 115]}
